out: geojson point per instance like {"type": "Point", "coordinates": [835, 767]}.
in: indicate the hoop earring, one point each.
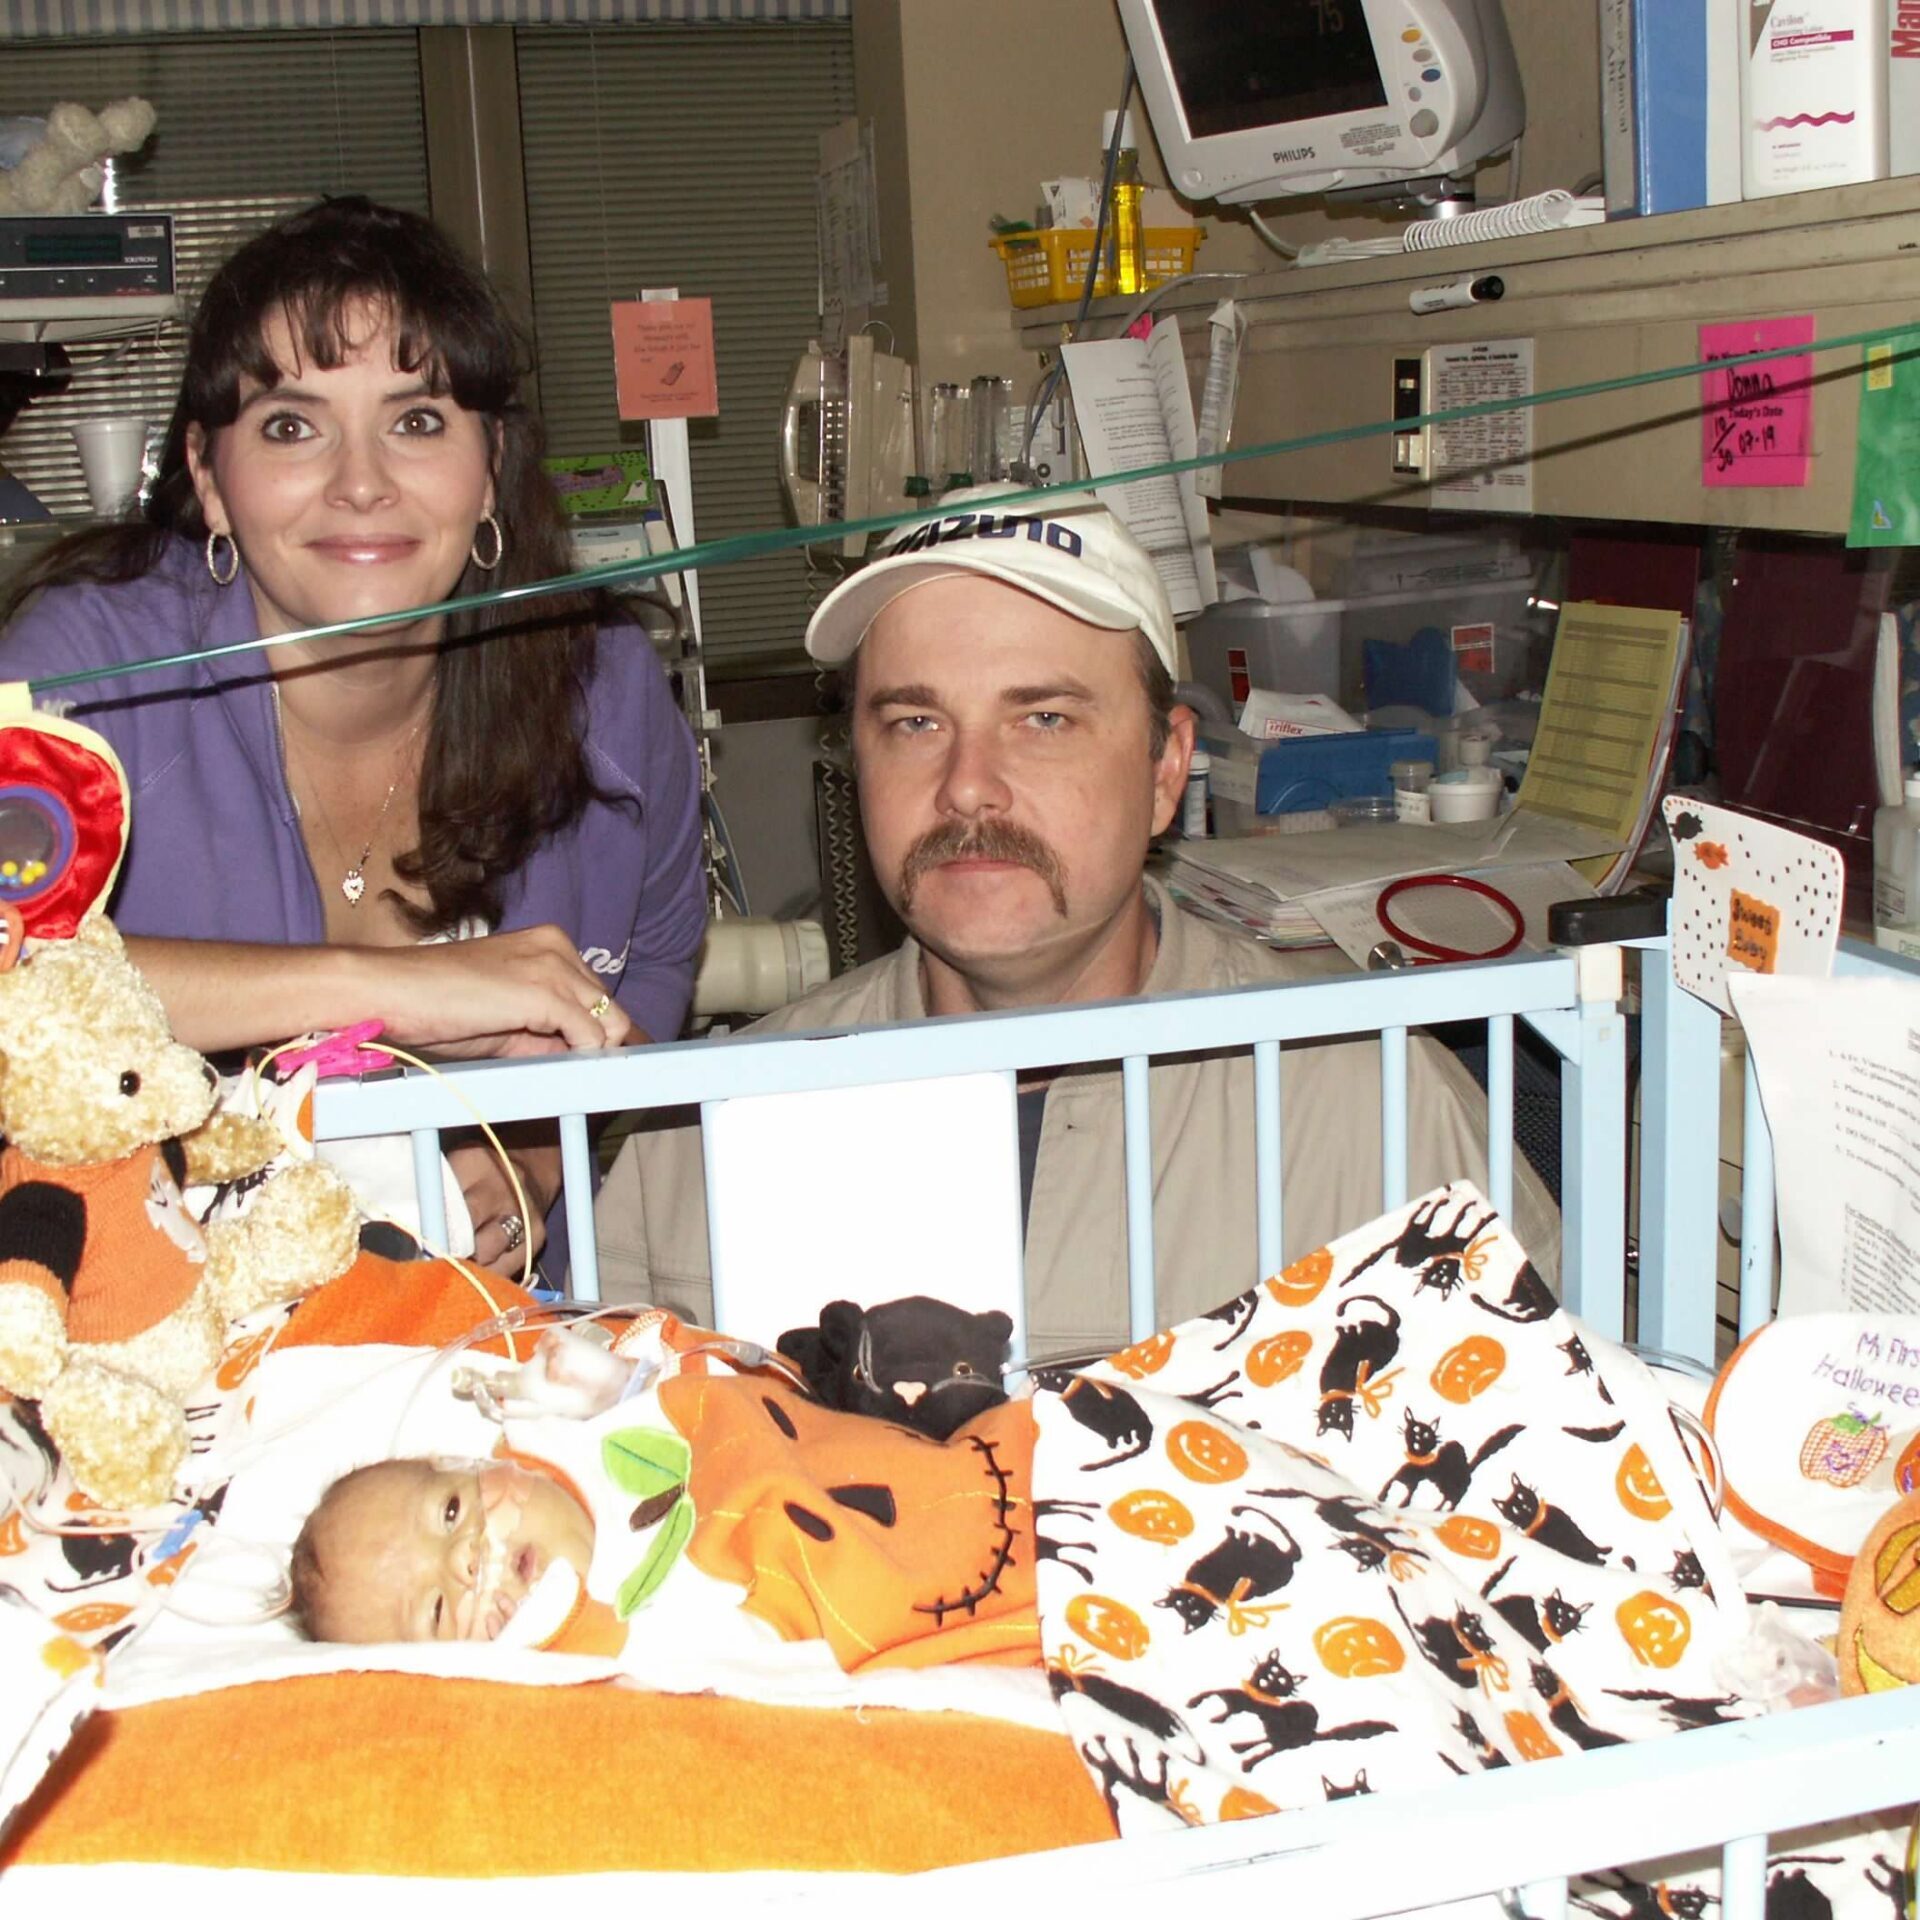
{"type": "Point", "coordinates": [499, 545]}
{"type": "Point", "coordinates": [232, 572]}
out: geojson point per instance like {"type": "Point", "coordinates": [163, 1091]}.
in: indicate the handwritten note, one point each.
{"type": "Point", "coordinates": [1753, 932]}
{"type": "Point", "coordinates": [663, 361]}
{"type": "Point", "coordinates": [1756, 420]}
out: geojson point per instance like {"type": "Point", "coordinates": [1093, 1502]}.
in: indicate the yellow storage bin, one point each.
{"type": "Point", "coordinates": [1049, 265]}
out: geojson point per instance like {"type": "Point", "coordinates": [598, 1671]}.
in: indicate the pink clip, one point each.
{"type": "Point", "coordinates": [339, 1055]}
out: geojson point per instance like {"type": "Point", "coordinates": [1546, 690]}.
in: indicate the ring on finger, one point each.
{"type": "Point", "coordinates": [514, 1228]}
{"type": "Point", "coordinates": [601, 1007]}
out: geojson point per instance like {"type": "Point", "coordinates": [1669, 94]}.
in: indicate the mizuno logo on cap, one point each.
{"type": "Point", "coordinates": [985, 526]}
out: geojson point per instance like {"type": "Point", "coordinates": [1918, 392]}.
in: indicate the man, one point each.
{"type": "Point", "coordinates": [1018, 747]}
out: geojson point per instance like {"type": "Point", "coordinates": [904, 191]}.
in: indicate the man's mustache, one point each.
{"type": "Point", "coordinates": [982, 840]}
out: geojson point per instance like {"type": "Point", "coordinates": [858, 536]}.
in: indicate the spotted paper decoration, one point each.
{"type": "Point", "coordinates": [1748, 897]}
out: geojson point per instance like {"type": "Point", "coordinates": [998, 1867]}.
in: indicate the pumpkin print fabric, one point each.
{"type": "Point", "coordinates": [78, 1580]}
{"type": "Point", "coordinates": [1385, 1519]}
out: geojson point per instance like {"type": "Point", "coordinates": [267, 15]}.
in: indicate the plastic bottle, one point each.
{"type": "Point", "coordinates": [1411, 778]}
{"type": "Point", "coordinates": [1896, 860]}
{"type": "Point", "coordinates": [1126, 245]}
{"type": "Point", "coordinates": [1193, 803]}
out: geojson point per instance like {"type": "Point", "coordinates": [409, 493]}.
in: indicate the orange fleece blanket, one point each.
{"type": "Point", "coordinates": [396, 1774]}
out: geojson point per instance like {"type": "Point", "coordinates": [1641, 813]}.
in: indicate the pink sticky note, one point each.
{"type": "Point", "coordinates": [1756, 421]}
{"type": "Point", "coordinates": [663, 360]}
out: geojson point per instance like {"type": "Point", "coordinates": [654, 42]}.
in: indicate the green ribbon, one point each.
{"type": "Point", "coordinates": [707, 554]}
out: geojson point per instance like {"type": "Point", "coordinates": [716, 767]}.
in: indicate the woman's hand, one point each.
{"type": "Point", "coordinates": [534, 1150]}
{"type": "Point", "coordinates": [511, 993]}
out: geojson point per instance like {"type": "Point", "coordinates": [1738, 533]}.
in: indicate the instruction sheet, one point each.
{"type": "Point", "coordinates": [1839, 1069]}
{"type": "Point", "coordinates": [1135, 409]}
{"type": "Point", "coordinates": [1485, 464]}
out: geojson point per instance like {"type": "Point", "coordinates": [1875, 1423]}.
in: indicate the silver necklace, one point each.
{"type": "Point", "coordinates": [353, 883]}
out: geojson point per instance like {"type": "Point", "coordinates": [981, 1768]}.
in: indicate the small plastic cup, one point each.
{"type": "Point", "coordinates": [111, 451]}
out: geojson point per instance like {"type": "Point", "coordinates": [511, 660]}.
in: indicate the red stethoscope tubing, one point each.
{"type": "Point", "coordinates": [1426, 950]}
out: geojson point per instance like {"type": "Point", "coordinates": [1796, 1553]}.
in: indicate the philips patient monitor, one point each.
{"type": "Point", "coordinates": [1251, 99]}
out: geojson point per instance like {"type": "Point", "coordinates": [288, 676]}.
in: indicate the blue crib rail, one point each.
{"type": "Point", "coordinates": [1571, 999]}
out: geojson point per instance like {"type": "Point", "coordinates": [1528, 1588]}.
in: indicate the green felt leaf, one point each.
{"type": "Point", "coordinates": [644, 1581]}
{"type": "Point", "coordinates": [644, 1461]}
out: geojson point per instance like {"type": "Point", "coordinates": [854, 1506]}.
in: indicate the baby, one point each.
{"type": "Point", "coordinates": [650, 1478]}
{"type": "Point", "coordinates": [449, 1549]}
{"type": "Point", "coordinates": [432, 1550]}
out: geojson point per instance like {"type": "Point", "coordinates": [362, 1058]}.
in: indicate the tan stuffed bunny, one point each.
{"type": "Point", "coordinates": [63, 173]}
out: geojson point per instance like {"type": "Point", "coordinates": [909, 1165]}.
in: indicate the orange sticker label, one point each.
{"type": "Point", "coordinates": [1753, 932]}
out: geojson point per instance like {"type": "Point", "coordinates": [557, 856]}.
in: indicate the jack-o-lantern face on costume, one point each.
{"type": "Point", "coordinates": [1878, 1645]}
{"type": "Point", "coordinates": [895, 1549]}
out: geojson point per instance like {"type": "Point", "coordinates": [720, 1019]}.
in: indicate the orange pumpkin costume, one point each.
{"type": "Point", "coordinates": [895, 1549]}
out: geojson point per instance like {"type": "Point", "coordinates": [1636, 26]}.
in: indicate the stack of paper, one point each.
{"type": "Point", "coordinates": [1267, 883]}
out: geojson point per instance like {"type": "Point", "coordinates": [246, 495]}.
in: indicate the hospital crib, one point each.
{"type": "Point", "coordinates": [1517, 1833]}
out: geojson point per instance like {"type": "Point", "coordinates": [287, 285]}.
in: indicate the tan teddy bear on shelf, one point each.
{"type": "Point", "coordinates": [114, 1303]}
{"type": "Point", "coordinates": [63, 173]}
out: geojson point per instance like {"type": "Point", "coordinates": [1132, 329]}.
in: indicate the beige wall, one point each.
{"type": "Point", "coordinates": [975, 102]}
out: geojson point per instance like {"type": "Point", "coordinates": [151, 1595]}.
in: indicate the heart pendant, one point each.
{"type": "Point", "coordinates": [353, 884]}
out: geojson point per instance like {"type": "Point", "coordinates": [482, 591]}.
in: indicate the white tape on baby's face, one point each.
{"type": "Point", "coordinates": [545, 1611]}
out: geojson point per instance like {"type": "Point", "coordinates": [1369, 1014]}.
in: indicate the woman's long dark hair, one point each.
{"type": "Point", "coordinates": [504, 766]}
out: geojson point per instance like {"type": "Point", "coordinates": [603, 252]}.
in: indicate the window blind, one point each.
{"type": "Point", "coordinates": [287, 116]}
{"type": "Point", "coordinates": [25, 19]}
{"type": "Point", "coordinates": [686, 157]}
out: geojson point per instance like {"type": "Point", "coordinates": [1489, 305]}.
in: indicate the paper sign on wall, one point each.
{"type": "Point", "coordinates": [663, 360]}
{"type": "Point", "coordinates": [1748, 898]}
{"type": "Point", "coordinates": [1756, 420]}
{"type": "Point", "coordinates": [1483, 463]}
{"type": "Point", "coordinates": [1886, 461]}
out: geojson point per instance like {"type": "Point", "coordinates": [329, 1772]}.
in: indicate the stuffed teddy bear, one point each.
{"type": "Point", "coordinates": [60, 171]}
{"type": "Point", "coordinates": [917, 1362]}
{"type": "Point", "coordinates": [113, 1302]}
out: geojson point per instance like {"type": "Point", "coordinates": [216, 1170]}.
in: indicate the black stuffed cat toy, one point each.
{"type": "Point", "coordinates": [917, 1362]}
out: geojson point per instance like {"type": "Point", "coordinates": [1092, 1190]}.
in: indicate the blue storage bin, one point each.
{"type": "Point", "coordinates": [1297, 776]}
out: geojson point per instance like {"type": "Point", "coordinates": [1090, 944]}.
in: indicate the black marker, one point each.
{"type": "Point", "coordinates": [1459, 293]}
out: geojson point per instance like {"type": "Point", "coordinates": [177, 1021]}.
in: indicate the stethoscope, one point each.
{"type": "Point", "coordinates": [1403, 949]}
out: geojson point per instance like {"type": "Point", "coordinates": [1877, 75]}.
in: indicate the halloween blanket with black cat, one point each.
{"type": "Point", "coordinates": [1385, 1519]}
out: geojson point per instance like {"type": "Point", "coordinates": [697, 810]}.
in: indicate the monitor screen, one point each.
{"type": "Point", "coordinates": [1245, 66]}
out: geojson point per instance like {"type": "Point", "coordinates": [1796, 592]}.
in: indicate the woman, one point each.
{"type": "Point", "coordinates": [318, 827]}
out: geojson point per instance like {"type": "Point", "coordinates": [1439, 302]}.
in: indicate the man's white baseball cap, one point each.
{"type": "Point", "coordinates": [1066, 549]}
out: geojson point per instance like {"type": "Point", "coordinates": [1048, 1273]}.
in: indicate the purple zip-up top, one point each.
{"type": "Point", "coordinates": [215, 853]}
